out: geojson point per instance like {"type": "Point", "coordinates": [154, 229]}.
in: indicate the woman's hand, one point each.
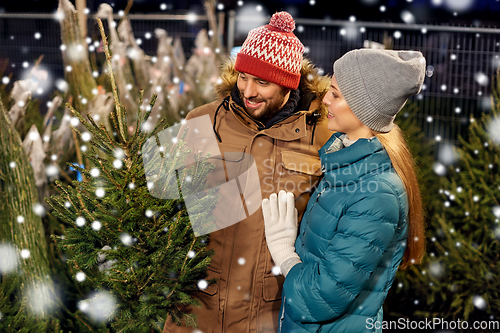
{"type": "Point", "coordinates": [281, 223]}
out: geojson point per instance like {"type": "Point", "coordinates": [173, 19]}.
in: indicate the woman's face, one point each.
{"type": "Point", "coordinates": [340, 116]}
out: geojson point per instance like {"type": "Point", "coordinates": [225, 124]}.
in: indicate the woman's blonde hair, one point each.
{"type": "Point", "coordinates": [402, 161]}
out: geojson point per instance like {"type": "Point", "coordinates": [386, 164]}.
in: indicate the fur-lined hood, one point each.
{"type": "Point", "coordinates": [311, 83]}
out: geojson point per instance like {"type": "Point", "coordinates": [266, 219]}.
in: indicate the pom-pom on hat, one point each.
{"type": "Point", "coordinates": [272, 52]}
{"type": "Point", "coordinates": [376, 83]}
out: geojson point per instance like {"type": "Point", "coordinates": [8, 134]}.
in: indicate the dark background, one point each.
{"type": "Point", "coordinates": [484, 13]}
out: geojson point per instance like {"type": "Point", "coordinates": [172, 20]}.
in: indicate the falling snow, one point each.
{"type": "Point", "coordinates": [100, 307]}
{"type": "Point", "coordinates": [126, 239]}
{"type": "Point", "coordinates": [439, 169]}
{"type": "Point", "coordinates": [479, 302]}
{"type": "Point", "coordinates": [493, 129]}
{"type": "Point", "coordinates": [25, 253]}
{"type": "Point", "coordinates": [9, 258]}
{"type": "Point", "coordinates": [80, 276]}
{"type": "Point", "coordinates": [496, 211]}
{"type": "Point", "coordinates": [94, 172]}
{"type": "Point", "coordinates": [99, 192]}
{"type": "Point", "coordinates": [38, 209]}
{"type": "Point", "coordinates": [80, 221]}
{"type": "Point", "coordinates": [42, 297]}
{"type": "Point", "coordinates": [202, 284]}
{"type": "Point", "coordinates": [96, 225]}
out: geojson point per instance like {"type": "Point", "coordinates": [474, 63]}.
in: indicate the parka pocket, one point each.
{"type": "Point", "coordinates": [272, 287]}
{"type": "Point", "coordinates": [228, 164]}
{"type": "Point", "coordinates": [235, 181]}
{"type": "Point", "coordinates": [298, 173]}
{"type": "Point", "coordinates": [212, 288]}
{"type": "Point", "coordinates": [298, 162]}
{"type": "Point", "coordinates": [230, 152]}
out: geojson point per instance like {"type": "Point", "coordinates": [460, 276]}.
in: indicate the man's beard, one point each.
{"type": "Point", "coordinates": [270, 109]}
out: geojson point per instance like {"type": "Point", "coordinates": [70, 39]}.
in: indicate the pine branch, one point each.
{"type": "Point", "coordinates": [118, 114]}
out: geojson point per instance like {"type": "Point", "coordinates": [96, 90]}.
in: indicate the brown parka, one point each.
{"type": "Point", "coordinates": [247, 294]}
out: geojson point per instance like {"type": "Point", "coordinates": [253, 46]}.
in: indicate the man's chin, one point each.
{"type": "Point", "coordinates": [256, 114]}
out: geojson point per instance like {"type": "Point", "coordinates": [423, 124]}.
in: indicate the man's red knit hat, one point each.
{"type": "Point", "coordinates": [272, 52]}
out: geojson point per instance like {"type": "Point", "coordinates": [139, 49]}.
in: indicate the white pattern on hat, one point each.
{"type": "Point", "coordinates": [272, 52]}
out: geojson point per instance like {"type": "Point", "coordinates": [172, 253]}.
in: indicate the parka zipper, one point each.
{"type": "Point", "coordinates": [311, 206]}
{"type": "Point", "coordinates": [282, 316]}
{"type": "Point", "coordinates": [260, 126]}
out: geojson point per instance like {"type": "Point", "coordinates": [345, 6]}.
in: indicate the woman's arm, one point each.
{"type": "Point", "coordinates": [324, 290]}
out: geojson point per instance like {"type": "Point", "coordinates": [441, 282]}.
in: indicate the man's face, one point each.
{"type": "Point", "coordinates": [262, 99]}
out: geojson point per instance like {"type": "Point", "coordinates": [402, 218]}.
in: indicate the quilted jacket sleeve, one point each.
{"type": "Point", "coordinates": [324, 290]}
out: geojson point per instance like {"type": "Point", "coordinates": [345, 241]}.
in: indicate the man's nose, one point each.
{"type": "Point", "coordinates": [250, 90]}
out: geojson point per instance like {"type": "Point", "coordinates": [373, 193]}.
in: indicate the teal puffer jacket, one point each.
{"type": "Point", "coordinates": [351, 241]}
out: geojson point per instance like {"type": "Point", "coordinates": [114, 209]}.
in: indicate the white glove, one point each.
{"type": "Point", "coordinates": [281, 224]}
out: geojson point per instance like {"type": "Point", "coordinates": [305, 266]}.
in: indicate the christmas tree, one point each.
{"type": "Point", "coordinates": [27, 293]}
{"type": "Point", "coordinates": [55, 151]}
{"type": "Point", "coordinates": [458, 278]}
{"type": "Point", "coordinates": [138, 252]}
{"type": "Point", "coordinates": [77, 67]}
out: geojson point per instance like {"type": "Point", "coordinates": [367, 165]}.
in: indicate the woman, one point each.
{"type": "Point", "coordinates": [365, 217]}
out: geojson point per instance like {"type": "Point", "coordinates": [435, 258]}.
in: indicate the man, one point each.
{"type": "Point", "coordinates": [269, 107]}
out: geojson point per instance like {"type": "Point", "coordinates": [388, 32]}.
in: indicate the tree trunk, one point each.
{"type": "Point", "coordinates": [21, 229]}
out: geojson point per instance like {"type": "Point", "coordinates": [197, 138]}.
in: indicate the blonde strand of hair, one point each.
{"type": "Point", "coordinates": [404, 165]}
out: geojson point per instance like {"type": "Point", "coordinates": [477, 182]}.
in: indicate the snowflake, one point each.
{"type": "Point", "coordinates": [80, 221]}
{"type": "Point", "coordinates": [202, 284]}
{"type": "Point", "coordinates": [100, 307]}
{"type": "Point", "coordinates": [8, 258]}
{"type": "Point", "coordinates": [479, 302]}
{"type": "Point", "coordinates": [80, 276]}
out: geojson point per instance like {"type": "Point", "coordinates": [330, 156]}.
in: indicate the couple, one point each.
{"type": "Point", "coordinates": [328, 155]}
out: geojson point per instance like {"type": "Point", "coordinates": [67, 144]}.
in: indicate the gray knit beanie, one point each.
{"type": "Point", "coordinates": [376, 83]}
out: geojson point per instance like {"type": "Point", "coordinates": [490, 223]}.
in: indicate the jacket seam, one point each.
{"type": "Point", "coordinates": [336, 314]}
{"type": "Point", "coordinates": [398, 198]}
{"type": "Point", "coordinates": [351, 261]}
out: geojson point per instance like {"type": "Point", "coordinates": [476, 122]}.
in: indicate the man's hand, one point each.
{"type": "Point", "coordinates": [281, 223]}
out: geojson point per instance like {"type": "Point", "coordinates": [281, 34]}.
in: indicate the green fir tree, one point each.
{"type": "Point", "coordinates": [138, 253]}
{"type": "Point", "coordinates": [27, 293]}
{"type": "Point", "coordinates": [458, 279]}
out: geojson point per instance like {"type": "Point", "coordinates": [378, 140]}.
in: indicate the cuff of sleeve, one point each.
{"type": "Point", "coordinates": [287, 265]}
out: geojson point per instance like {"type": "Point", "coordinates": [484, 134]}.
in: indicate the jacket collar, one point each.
{"type": "Point", "coordinates": [342, 166]}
